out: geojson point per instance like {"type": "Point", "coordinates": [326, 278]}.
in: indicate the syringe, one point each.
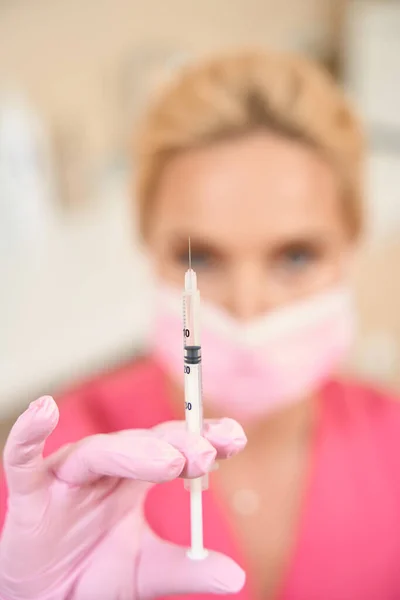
{"type": "Point", "coordinates": [193, 402]}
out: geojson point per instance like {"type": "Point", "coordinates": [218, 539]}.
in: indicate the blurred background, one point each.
{"type": "Point", "coordinates": [74, 75]}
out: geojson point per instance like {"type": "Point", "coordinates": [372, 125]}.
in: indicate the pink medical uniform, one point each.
{"type": "Point", "coordinates": [347, 544]}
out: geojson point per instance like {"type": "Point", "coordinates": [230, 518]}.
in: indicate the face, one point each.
{"type": "Point", "coordinates": [264, 217]}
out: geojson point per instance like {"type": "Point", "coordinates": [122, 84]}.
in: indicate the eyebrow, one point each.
{"type": "Point", "coordinates": [198, 243]}
{"type": "Point", "coordinates": [202, 243]}
{"type": "Point", "coordinates": [300, 238]}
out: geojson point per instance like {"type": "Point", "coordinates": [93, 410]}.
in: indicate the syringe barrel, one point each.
{"type": "Point", "coordinates": [193, 400]}
{"type": "Point", "coordinates": [192, 367]}
{"type": "Point", "coordinates": [191, 317]}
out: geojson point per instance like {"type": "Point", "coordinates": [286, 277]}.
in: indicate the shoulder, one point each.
{"type": "Point", "coordinates": [130, 396]}
{"type": "Point", "coordinates": [355, 398]}
{"type": "Point", "coordinates": [364, 410]}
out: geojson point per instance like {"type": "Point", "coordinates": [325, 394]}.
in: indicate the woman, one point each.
{"type": "Point", "coordinates": [257, 158]}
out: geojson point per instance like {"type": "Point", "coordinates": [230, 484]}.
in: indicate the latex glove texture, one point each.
{"type": "Point", "coordinates": [75, 528]}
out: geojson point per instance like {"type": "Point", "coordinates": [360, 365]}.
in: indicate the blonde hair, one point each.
{"type": "Point", "coordinates": [235, 94]}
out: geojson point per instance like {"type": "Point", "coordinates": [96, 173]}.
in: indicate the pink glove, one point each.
{"type": "Point", "coordinates": [75, 527]}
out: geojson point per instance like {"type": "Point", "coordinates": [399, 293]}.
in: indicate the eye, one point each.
{"type": "Point", "coordinates": [201, 259]}
{"type": "Point", "coordinates": [296, 257]}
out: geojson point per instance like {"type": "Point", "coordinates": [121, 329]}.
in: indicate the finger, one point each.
{"type": "Point", "coordinates": [177, 574]}
{"type": "Point", "coordinates": [133, 455]}
{"type": "Point", "coordinates": [225, 435]}
{"type": "Point", "coordinates": [199, 453]}
{"type": "Point", "coordinates": [23, 460]}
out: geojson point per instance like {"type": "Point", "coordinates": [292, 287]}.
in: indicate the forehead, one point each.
{"type": "Point", "coordinates": [258, 186]}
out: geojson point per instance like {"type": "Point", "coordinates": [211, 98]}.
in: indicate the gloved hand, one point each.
{"type": "Point", "coordinates": [75, 527]}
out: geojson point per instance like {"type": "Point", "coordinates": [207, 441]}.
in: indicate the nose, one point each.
{"type": "Point", "coordinates": [246, 294]}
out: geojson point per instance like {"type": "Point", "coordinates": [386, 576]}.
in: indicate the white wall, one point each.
{"type": "Point", "coordinates": [81, 304]}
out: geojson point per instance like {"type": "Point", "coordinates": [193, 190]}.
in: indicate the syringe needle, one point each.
{"type": "Point", "coordinates": [190, 256]}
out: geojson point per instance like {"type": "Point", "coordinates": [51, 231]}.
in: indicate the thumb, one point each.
{"type": "Point", "coordinates": [164, 569]}
{"type": "Point", "coordinates": [23, 461]}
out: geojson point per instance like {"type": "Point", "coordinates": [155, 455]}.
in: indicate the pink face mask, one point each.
{"type": "Point", "coordinates": [251, 369]}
